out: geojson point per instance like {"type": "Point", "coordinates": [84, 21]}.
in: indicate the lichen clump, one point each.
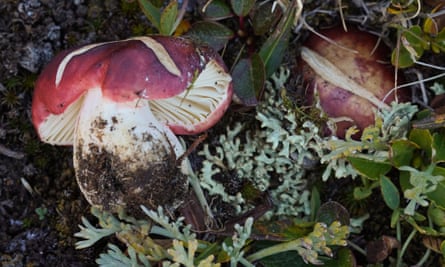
{"type": "Point", "coordinates": [272, 158]}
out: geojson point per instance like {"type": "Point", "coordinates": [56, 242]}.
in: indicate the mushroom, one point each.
{"type": "Point", "coordinates": [348, 76]}
{"type": "Point", "coordinates": [120, 105]}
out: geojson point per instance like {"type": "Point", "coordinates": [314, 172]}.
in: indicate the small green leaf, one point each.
{"type": "Point", "coordinates": [213, 33]}
{"type": "Point", "coordinates": [395, 217]}
{"type": "Point", "coordinates": [402, 58]}
{"type": "Point", "coordinates": [411, 49]}
{"type": "Point", "coordinates": [437, 196]}
{"type": "Point", "coordinates": [248, 79]}
{"type": "Point", "coordinates": [273, 49]}
{"type": "Point", "coordinates": [390, 193]}
{"type": "Point", "coordinates": [439, 147]}
{"type": "Point", "coordinates": [315, 202]}
{"type": "Point", "coordinates": [344, 258]}
{"type": "Point", "coordinates": [416, 39]}
{"type": "Point", "coordinates": [288, 259]}
{"type": "Point", "coordinates": [362, 192]}
{"type": "Point", "coordinates": [442, 248]}
{"type": "Point", "coordinates": [151, 12]}
{"type": "Point", "coordinates": [402, 152]}
{"type": "Point", "coordinates": [168, 18]}
{"type": "Point", "coordinates": [242, 7]}
{"type": "Point", "coordinates": [281, 229]}
{"type": "Point", "coordinates": [263, 18]}
{"type": "Point", "coordinates": [423, 139]}
{"type": "Point", "coordinates": [438, 43]}
{"type": "Point", "coordinates": [217, 10]}
{"type": "Point", "coordinates": [371, 169]}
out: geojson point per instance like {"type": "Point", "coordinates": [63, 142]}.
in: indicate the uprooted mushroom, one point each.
{"type": "Point", "coordinates": [120, 105]}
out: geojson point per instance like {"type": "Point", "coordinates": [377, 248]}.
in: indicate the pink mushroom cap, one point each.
{"type": "Point", "coordinates": [188, 86]}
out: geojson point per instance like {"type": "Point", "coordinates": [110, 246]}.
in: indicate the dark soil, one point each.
{"type": "Point", "coordinates": [40, 202]}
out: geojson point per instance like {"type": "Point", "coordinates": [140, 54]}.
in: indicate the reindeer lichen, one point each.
{"type": "Point", "coordinates": [275, 153]}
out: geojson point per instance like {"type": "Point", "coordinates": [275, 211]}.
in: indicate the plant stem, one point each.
{"type": "Point", "coordinates": [404, 247]}
{"type": "Point", "coordinates": [282, 247]}
{"type": "Point", "coordinates": [424, 258]}
{"type": "Point", "coordinates": [357, 248]}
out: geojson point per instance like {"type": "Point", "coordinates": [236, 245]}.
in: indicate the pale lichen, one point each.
{"type": "Point", "coordinates": [276, 152]}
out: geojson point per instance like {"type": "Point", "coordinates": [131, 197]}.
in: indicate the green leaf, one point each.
{"type": "Point", "coordinates": [369, 168]}
{"type": "Point", "coordinates": [402, 152]}
{"type": "Point", "coordinates": [395, 217]}
{"type": "Point", "coordinates": [273, 49]}
{"type": "Point", "coordinates": [423, 139]}
{"type": "Point", "coordinates": [217, 10]}
{"type": "Point", "coordinates": [442, 248]}
{"type": "Point", "coordinates": [402, 58]}
{"type": "Point", "coordinates": [242, 7]}
{"type": "Point", "coordinates": [390, 193]}
{"type": "Point", "coordinates": [263, 18]}
{"type": "Point", "coordinates": [151, 12]}
{"type": "Point", "coordinates": [362, 192]}
{"type": "Point", "coordinates": [248, 79]}
{"type": "Point", "coordinates": [437, 196]}
{"type": "Point", "coordinates": [416, 40]}
{"type": "Point", "coordinates": [281, 229]}
{"type": "Point", "coordinates": [438, 43]}
{"type": "Point", "coordinates": [212, 33]}
{"type": "Point", "coordinates": [315, 202]}
{"type": "Point", "coordinates": [439, 147]}
{"type": "Point", "coordinates": [344, 258]}
{"type": "Point", "coordinates": [168, 18]}
{"type": "Point", "coordinates": [289, 259]}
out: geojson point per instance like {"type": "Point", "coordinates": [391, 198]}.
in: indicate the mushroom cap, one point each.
{"type": "Point", "coordinates": [191, 82]}
{"type": "Point", "coordinates": [356, 58]}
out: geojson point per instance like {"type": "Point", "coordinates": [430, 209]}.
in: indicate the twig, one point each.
{"type": "Point", "coordinates": [9, 153]}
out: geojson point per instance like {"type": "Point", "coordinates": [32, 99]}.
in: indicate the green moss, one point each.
{"type": "Point", "coordinates": [129, 8]}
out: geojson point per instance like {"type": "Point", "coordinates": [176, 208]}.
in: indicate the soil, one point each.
{"type": "Point", "coordinates": [40, 202]}
{"type": "Point", "coordinates": [41, 205]}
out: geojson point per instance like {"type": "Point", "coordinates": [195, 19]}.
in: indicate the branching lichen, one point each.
{"type": "Point", "coordinates": [275, 153]}
{"type": "Point", "coordinates": [239, 241]}
{"type": "Point", "coordinates": [389, 125]}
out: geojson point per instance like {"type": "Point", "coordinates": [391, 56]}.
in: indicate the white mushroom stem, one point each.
{"type": "Point", "coordinates": [330, 73]}
{"type": "Point", "coordinates": [124, 132]}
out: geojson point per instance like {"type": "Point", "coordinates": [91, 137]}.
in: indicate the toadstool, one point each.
{"type": "Point", "coordinates": [348, 76]}
{"type": "Point", "coordinates": [120, 105]}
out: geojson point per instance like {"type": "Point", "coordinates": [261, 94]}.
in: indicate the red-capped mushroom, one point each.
{"type": "Point", "coordinates": [120, 105]}
{"type": "Point", "coordinates": [349, 76]}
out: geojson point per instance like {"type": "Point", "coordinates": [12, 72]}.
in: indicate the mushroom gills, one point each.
{"type": "Point", "coordinates": [59, 129]}
{"type": "Point", "coordinates": [120, 149]}
{"type": "Point", "coordinates": [195, 103]}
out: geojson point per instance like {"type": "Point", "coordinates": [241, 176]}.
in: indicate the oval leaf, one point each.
{"type": "Point", "coordinates": [402, 152]}
{"type": "Point", "coordinates": [212, 33]}
{"type": "Point", "coordinates": [439, 147]}
{"type": "Point", "coordinates": [371, 169]}
{"type": "Point", "coordinates": [168, 18]}
{"type": "Point", "coordinates": [423, 139]}
{"type": "Point", "coordinates": [264, 18]}
{"type": "Point", "coordinates": [390, 193]}
{"type": "Point", "coordinates": [248, 79]}
{"type": "Point", "coordinates": [345, 258]}
{"type": "Point", "coordinates": [217, 10]}
{"type": "Point", "coordinates": [362, 192]}
{"type": "Point", "coordinates": [242, 7]}
{"type": "Point", "coordinates": [151, 12]}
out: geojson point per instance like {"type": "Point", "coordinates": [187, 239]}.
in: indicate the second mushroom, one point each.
{"type": "Point", "coordinates": [120, 105]}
